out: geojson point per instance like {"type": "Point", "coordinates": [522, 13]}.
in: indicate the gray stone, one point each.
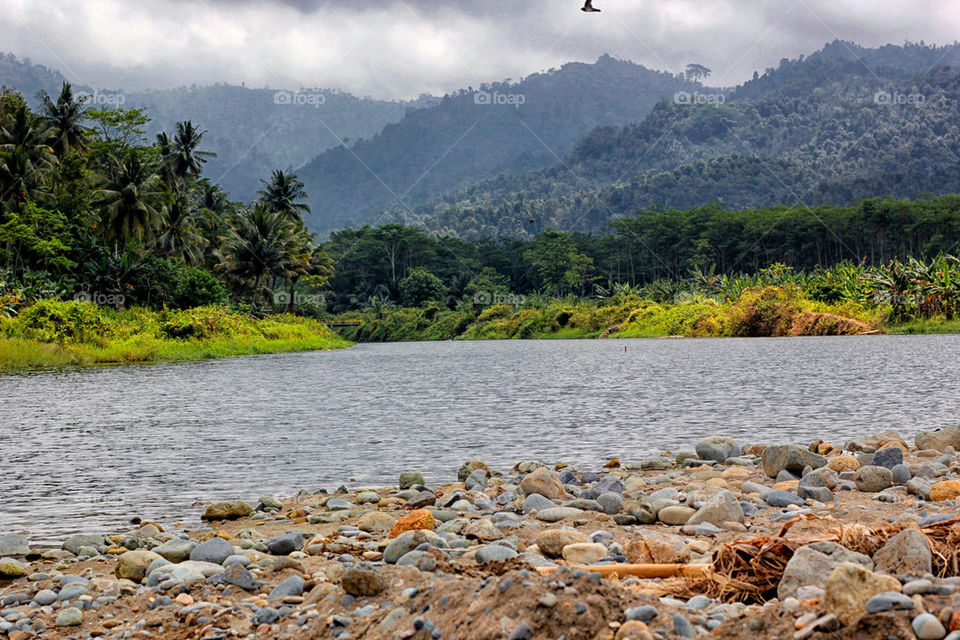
{"type": "Point", "coordinates": [717, 448]}
{"type": "Point", "coordinates": [556, 514]}
{"type": "Point", "coordinates": [476, 481]}
{"type": "Point", "coordinates": [14, 544]}
{"type": "Point", "coordinates": [610, 502]}
{"type": "Point", "coordinates": [682, 626]}
{"type": "Point", "coordinates": [779, 498]}
{"type": "Point", "coordinates": [723, 507]}
{"type": "Point", "coordinates": [215, 550]}
{"type": "Point", "coordinates": [820, 494]}
{"type": "Point", "coordinates": [175, 550]}
{"type": "Point", "coordinates": [888, 457]}
{"type": "Point", "coordinates": [422, 499]}
{"type": "Point", "coordinates": [907, 553]}
{"type": "Point", "coordinates": [45, 597]}
{"type": "Point", "coordinates": [238, 576]}
{"type": "Point", "coordinates": [889, 601]}
{"type": "Point", "coordinates": [776, 458]}
{"type": "Point", "coordinates": [675, 515]}
{"type": "Point", "coordinates": [72, 592]}
{"type": "Point", "coordinates": [901, 474]}
{"type": "Point", "coordinates": [494, 552]}
{"type": "Point", "coordinates": [786, 476]}
{"type": "Point", "coordinates": [927, 627]}
{"type": "Point", "coordinates": [265, 615]}
{"type": "Point", "coordinates": [269, 503]}
{"type": "Point", "coordinates": [822, 477]}
{"type": "Point", "coordinates": [919, 487]}
{"type": "Point", "coordinates": [873, 479]}
{"type": "Point", "coordinates": [644, 613]}
{"type": "Point", "coordinates": [407, 542]}
{"type": "Point", "coordinates": [292, 586]}
{"type": "Point", "coordinates": [73, 543]}
{"type": "Point", "coordinates": [69, 617]}
{"type": "Point", "coordinates": [811, 565]}
{"type": "Point", "coordinates": [285, 544]}
{"type": "Point", "coordinates": [410, 478]}
{"type": "Point", "coordinates": [753, 487]}
{"type": "Point", "coordinates": [522, 631]}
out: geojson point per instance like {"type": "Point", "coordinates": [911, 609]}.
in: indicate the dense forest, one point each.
{"type": "Point", "coordinates": [498, 128]}
{"type": "Point", "coordinates": [252, 130]}
{"type": "Point", "coordinates": [844, 124]}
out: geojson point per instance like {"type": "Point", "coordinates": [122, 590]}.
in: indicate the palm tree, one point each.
{"type": "Point", "coordinates": [167, 159]}
{"type": "Point", "coordinates": [187, 157]}
{"type": "Point", "coordinates": [258, 245]}
{"type": "Point", "coordinates": [179, 235]}
{"type": "Point", "coordinates": [132, 199]}
{"type": "Point", "coordinates": [18, 178]}
{"type": "Point", "coordinates": [697, 71]}
{"type": "Point", "coordinates": [65, 117]}
{"type": "Point", "coordinates": [29, 133]}
{"type": "Point", "coordinates": [284, 194]}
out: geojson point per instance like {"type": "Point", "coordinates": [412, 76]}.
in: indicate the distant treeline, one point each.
{"type": "Point", "coordinates": [372, 263]}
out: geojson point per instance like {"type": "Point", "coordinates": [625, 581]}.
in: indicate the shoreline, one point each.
{"type": "Point", "coordinates": [508, 553]}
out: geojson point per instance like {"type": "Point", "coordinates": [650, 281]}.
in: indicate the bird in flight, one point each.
{"type": "Point", "coordinates": [588, 7]}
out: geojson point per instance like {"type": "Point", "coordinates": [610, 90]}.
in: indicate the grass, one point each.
{"type": "Point", "coordinates": [926, 325]}
{"type": "Point", "coordinates": [53, 334]}
{"type": "Point", "coordinates": [760, 311]}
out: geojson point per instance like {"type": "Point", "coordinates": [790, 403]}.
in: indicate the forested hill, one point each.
{"type": "Point", "coordinates": [842, 124]}
{"type": "Point", "coordinates": [252, 131]}
{"type": "Point", "coordinates": [500, 128]}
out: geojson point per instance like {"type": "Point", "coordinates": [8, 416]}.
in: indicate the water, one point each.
{"type": "Point", "coordinates": [86, 450]}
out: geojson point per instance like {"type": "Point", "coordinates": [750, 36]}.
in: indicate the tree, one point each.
{"type": "Point", "coordinates": [421, 286]}
{"type": "Point", "coordinates": [65, 117]}
{"type": "Point", "coordinates": [132, 198]}
{"type": "Point", "coordinates": [179, 236]}
{"type": "Point", "coordinates": [695, 72]}
{"type": "Point", "coordinates": [257, 246]}
{"type": "Point", "coordinates": [187, 157]}
{"type": "Point", "coordinates": [284, 193]}
{"type": "Point", "coordinates": [556, 259]}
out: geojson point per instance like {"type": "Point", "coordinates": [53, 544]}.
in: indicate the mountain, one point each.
{"type": "Point", "coordinates": [841, 124]}
{"type": "Point", "coordinates": [500, 128]}
{"type": "Point", "coordinates": [253, 131]}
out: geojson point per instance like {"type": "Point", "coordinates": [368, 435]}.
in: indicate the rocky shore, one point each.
{"type": "Point", "coordinates": [853, 539]}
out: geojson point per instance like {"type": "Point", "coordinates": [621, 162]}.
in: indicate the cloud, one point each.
{"type": "Point", "coordinates": [400, 48]}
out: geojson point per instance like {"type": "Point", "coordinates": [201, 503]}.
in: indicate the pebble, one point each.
{"type": "Point", "coordinates": [927, 627]}
{"type": "Point", "coordinates": [69, 617]}
{"type": "Point", "coordinates": [643, 613]}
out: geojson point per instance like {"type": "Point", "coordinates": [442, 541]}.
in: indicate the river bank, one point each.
{"type": "Point", "coordinates": [852, 540]}
{"type": "Point", "coordinates": [51, 334]}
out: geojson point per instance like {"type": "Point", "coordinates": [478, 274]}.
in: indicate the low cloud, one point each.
{"type": "Point", "coordinates": [401, 48]}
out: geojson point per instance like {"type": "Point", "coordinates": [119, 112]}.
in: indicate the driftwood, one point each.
{"type": "Point", "coordinates": [639, 570]}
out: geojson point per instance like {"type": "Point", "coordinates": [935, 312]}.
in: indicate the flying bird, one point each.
{"type": "Point", "coordinates": [588, 7]}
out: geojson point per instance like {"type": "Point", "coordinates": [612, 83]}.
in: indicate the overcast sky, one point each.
{"type": "Point", "coordinates": [401, 48]}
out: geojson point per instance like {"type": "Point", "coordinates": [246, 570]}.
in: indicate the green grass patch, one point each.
{"type": "Point", "coordinates": [52, 334]}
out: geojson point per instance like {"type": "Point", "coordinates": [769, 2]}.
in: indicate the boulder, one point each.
{"type": "Point", "coordinates": [812, 563]}
{"type": "Point", "coordinates": [907, 553]}
{"type": "Point", "coordinates": [552, 541]}
{"type": "Point", "coordinates": [872, 478]}
{"type": "Point", "coordinates": [536, 502]}
{"type": "Point", "coordinates": [888, 457]}
{"type": "Point", "coordinates": [285, 544]}
{"type": "Point", "coordinates": [362, 581]}
{"type": "Point", "coordinates": [850, 586]}
{"type": "Point", "coordinates": [654, 547]}
{"type": "Point", "coordinates": [777, 458]}
{"type": "Point", "coordinates": [376, 522]}
{"type": "Point", "coordinates": [73, 543]}
{"type": "Point", "coordinates": [584, 552]}
{"type": "Point", "coordinates": [494, 553]}
{"type": "Point", "coordinates": [844, 463]}
{"type": "Point", "coordinates": [215, 551]}
{"type": "Point", "coordinates": [132, 565]}
{"type": "Point", "coordinates": [14, 544]}
{"type": "Point", "coordinates": [175, 550]}
{"type": "Point", "coordinates": [939, 439]}
{"type": "Point", "coordinates": [944, 490]}
{"type": "Point", "coordinates": [416, 519]}
{"type": "Point", "coordinates": [675, 515]}
{"type": "Point", "coordinates": [10, 569]}
{"type": "Point", "coordinates": [721, 508]}
{"type": "Point", "coordinates": [717, 448]}
{"type": "Point", "coordinates": [469, 467]}
{"type": "Point", "coordinates": [544, 482]}
{"type": "Point", "coordinates": [410, 479]}
{"type": "Point", "coordinates": [228, 510]}
{"type": "Point", "coordinates": [822, 477]}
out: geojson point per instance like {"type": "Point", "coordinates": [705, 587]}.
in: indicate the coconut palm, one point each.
{"type": "Point", "coordinates": [132, 199]}
{"type": "Point", "coordinates": [29, 133]}
{"type": "Point", "coordinates": [257, 246]}
{"type": "Point", "coordinates": [187, 158]}
{"type": "Point", "coordinates": [65, 117]}
{"type": "Point", "coordinates": [285, 194]}
{"type": "Point", "coordinates": [179, 235]}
